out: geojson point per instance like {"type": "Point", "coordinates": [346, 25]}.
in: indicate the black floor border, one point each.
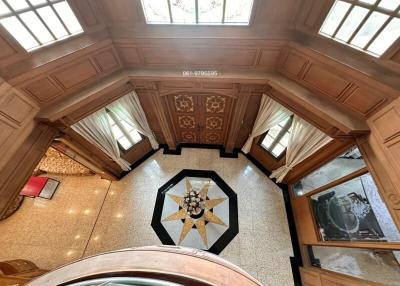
{"type": "Point", "coordinates": [295, 260]}
{"type": "Point", "coordinates": [178, 151]}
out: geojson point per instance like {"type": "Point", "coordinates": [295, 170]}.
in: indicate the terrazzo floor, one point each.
{"type": "Point", "coordinates": [88, 215]}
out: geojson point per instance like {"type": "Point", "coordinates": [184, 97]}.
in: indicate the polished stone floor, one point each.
{"type": "Point", "coordinates": [88, 215]}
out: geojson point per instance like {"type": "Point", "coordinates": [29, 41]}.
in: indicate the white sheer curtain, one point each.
{"type": "Point", "coordinates": [304, 141]}
{"type": "Point", "coordinates": [129, 108]}
{"type": "Point", "coordinates": [269, 115]}
{"type": "Point", "coordinates": [96, 129]}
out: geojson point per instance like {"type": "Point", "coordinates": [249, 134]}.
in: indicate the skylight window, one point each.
{"type": "Point", "coordinates": [198, 12]}
{"type": "Point", "coordinates": [38, 23]}
{"type": "Point", "coordinates": [368, 25]}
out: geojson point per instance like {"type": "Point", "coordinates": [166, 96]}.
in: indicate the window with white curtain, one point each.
{"type": "Point", "coordinates": [198, 12]}
{"type": "Point", "coordinates": [276, 139]}
{"type": "Point", "coordinates": [368, 25]}
{"type": "Point", "coordinates": [38, 23]}
{"type": "Point", "coordinates": [126, 135]}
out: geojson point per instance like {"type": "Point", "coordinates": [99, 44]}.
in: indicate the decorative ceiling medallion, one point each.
{"type": "Point", "coordinates": [196, 209]}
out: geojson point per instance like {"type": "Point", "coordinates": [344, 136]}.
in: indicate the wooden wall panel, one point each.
{"type": "Point", "coordinates": [312, 276]}
{"type": "Point", "coordinates": [396, 57]}
{"type": "Point", "coordinates": [293, 63]}
{"type": "Point", "coordinates": [16, 117]}
{"type": "Point", "coordinates": [324, 81]}
{"type": "Point", "coordinates": [304, 221]}
{"type": "Point", "coordinates": [269, 58]}
{"type": "Point", "coordinates": [16, 108]}
{"type": "Point", "coordinates": [151, 115]}
{"type": "Point", "coordinates": [76, 74]}
{"type": "Point", "coordinates": [364, 101]}
{"type": "Point", "coordinates": [6, 132]}
{"type": "Point", "coordinates": [384, 123]}
{"type": "Point", "coordinates": [261, 54]}
{"type": "Point", "coordinates": [107, 60]}
{"type": "Point", "coordinates": [87, 13]}
{"type": "Point", "coordinates": [382, 151]}
{"type": "Point", "coordinates": [199, 56]}
{"type": "Point", "coordinates": [6, 49]}
{"type": "Point", "coordinates": [43, 89]}
{"type": "Point", "coordinates": [309, 278]}
{"type": "Point", "coordinates": [333, 80]}
{"type": "Point", "coordinates": [20, 168]}
{"type": "Point", "coordinates": [249, 118]}
{"type": "Point", "coordinates": [129, 55]}
{"type": "Point", "coordinates": [58, 81]}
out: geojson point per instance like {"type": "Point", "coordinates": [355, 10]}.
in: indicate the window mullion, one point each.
{"type": "Point", "coordinates": [58, 16]}
{"type": "Point", "coordinates": [223, 11]}
{"type": "Point", "coordinates": [41, 20]}
{"type": "Point", "coordinates": [381, 28]}
{"type": "Point", "coordinates": [196, 2]}
{"type": "Point", "coordinates": [360, 26]}
{"type": "Point", "coordinates": [343, 20]}
{"type": "Point", "coordinates": [170, 11]}
{"type": "Point", "coordinates": [339, 181]}
{"type": "Point", "coordinates": [121, 127]}
{"type": "Point", "coordinates": [22, 22]}
{"type": "Point", "coordinates": [282, 133]}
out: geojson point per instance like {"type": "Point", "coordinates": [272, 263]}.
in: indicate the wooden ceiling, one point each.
{"type": "Point", "coordinates": [281, 38]}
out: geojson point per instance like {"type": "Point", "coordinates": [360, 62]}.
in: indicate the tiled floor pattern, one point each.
{"type": "Point", "coordinates": [88, 215]}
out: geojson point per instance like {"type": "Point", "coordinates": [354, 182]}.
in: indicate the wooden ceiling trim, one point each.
{"type": "Point", "coordinates": [261, 54]}
{"type": "Point", "coordinates": [54, 84]}
{"type": "Point", "coordinates": [359, 66]}
{"type": "Point", "coordinates": [45, 60]}
{"type": "Point", "coordinates": [334, 81]}
{"type": "Point", "coordinates": [336, 122]}
{"type": "Point", "coordinates": [327, 111]}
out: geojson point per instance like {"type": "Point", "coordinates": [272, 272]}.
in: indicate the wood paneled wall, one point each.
{"type": "Point", "coordinates": [327, 78]}
{"type": "Point", "coordinates": [311, 276]}
{"type": "Point", "coordinates": [20, 167]}
{"type": "Point", "coordinates": [54, 81]}
{"type": "Point", "coordinates": [16, 120]}
{"type": "Point", "coordinates": [382, 149]}
{"type": "Point", "coordinates": [204, 53]}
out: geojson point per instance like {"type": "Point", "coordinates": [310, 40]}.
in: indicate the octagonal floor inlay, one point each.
{"type": "Point", "coordinates": [196, 209]}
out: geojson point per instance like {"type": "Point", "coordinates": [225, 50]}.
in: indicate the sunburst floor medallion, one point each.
{"type": "Point", "coordinates": [196, 209]}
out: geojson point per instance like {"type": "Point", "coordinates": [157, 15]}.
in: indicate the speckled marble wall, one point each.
{"type": "Point", "coordinates": [54, 162]}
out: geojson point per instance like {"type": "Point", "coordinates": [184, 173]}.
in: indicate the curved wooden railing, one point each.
{"type": "Point", "coordinates": [179, 265]}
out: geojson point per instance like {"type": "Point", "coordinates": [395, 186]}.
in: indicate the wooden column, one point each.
{"type": "Point", "coordinates": [162, 118]}
{"type": "Point", "coordinates": [243, 95]}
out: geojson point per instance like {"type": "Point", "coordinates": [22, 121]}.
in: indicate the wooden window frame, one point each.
{"type": "Point", "coordinates": [124, 132]}
{"type": "Point", "coordinates": [278, 138]}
